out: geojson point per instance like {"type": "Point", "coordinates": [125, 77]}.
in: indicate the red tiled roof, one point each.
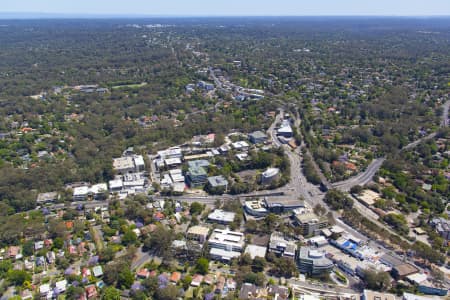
{"type": "Point", "coordinates": [175, 277]}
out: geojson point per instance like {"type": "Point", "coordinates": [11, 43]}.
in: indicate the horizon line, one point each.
{"type": "Point", "coordinates": [49, 15]}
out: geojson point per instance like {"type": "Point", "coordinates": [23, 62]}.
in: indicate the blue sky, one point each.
{"type": "Point", "coordinates": [231, 7]}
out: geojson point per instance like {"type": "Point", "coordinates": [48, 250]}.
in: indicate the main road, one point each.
{"type": "Point", "coordinates": [362, 178]}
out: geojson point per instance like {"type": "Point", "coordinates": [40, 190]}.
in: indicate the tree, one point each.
{"type": "Point", "coordinates": [196, 208]}
{"type": "Point", "coordinates": [270, 222]}
{"type": "Point", "coordinates": [129, 237]}
{"type": "Point", "coordinates": [259, 264]}
{"type": "Point", "coordinates": [338, 200]}
{"type": "Point", "coordinates": [28, 248]}
{"type": "Point", "coordinates": [111, 293]}
{"type": "Point", "coordinates": [255, 278]}
{"type": "Point", "coordinates": [125, 279]}
{"type": "Point", "coordinates": [107, 254]}
{"type": "Point", "coordinates": [170, 292]}
{"type": "Point", "coordinates": [319, 210]}
{"type": "Point", "coordinates": [112, 271]}
{"type": "Point", "coordinates": [5, 266]}
{"type": "Point", "coordinates": [151, 285]}
{"type": "Point", "coordinates": [398, 222]}
{"type": "Point", "coordinates": [159, 241]}
{"type": "Point", "coordinates": [284, 267]}
{"type": "Point", "coordinates": [251, 226]}
{"type": "Point", "coordinates": [186, 281]}
{"type": "Point", "coordinates": [202, 265]}
{"type": "Point", "coordinates": [356, 189]}
{"type": "Point", "coordinates": [378, 281]}
{"type": "Point", "coordinates": [58, 243]}
{"type": "Point", "coordinates": [245, 260]}
{"type": "Point", "coordinates": [74, 292]}
{"type": "Point", "coordinates": [18, 277]}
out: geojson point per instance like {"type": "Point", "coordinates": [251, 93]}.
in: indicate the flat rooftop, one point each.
{"type": "Point", "coordinates": [126, 162]}
{"type": "Point", "coordinates": [255, 250]}
{"type": "Point", "coordinates": [198, 230]}
{"type": "Point", "coordinates": [221, 216]}
{"type": "Point", "coordinates": [287, 202]}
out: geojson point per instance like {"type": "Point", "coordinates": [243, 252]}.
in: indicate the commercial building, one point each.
{"type": "Point", "coordinates": [80, 193]}
{"type": "Point", "coordinates": [221, 216]}
{"type": "Point", "coordinates": [281, 246]}
{"type": "Point", "coordinates": [310, 223]}
{"type": "Point", "coordinates": [43, 198]}
{"type": "Point", "coordinates": [409, 296]}
{"type": "Point", "coordinates": [372, 295]}
{"type": "Point", "coordinates": [139, 163]}
{"type": "Point", "coordinates": [257, 137]}
{"type": "Point", "coordinates": [313, 262]}
{"type": "Point", "coordinates": [196, 177]}
{"type": "Point", "coordinates": [176, 175]}
{"type": "Point", "coordinates": [166, 182]}
{"type": "Point", "coordinates": [348, 244]}
{"type": "Point", "coordinates": [255, 250]}
{"type": "Point", "coordinates": [201, 156]}
{"type": "Point", "coordinates": [280, 205]}
{"type": "Point", "coordinates": [134, 181]}
{"type": "Point", "coordinates": [285, 130]}
{"type": "Point", "coordinates": [225, 244]}
{"type": "Point", "coordinates": [255, 208]}
{"type": "Point", "coordinates": [98, 190]}
{"type": "Point", "coordinates": [240, 145]}
{"type": "Point", "coordinates": [199, 163]}
{"type": "Point", "coordinates": [172, 162]}
{"type": "Point", "coordinates": [198, 233]}
{"type": "Point", "coordinates": [403, 270]}
{"type": "Point", "coordinates": [129, 164]}
{"type": "Point", "coordinates": [116, 185]}
{"type": "Point", "coordinates": [269, 175]}
{"type": "Point", "coordinates": [218, 182]}
{"type": "Point", "coordinates": [224, 149]}
{"type": "Point", "coordinates": [174, 152]}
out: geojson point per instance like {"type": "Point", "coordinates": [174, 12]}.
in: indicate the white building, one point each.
{"type": "Point", "coordinates": [80, 193]}
{"type": "Point", "coordinates": [133, 181]}
{"type": "Point", "coordinates": [255, 250]}
{"type": "Point", "coordinates": [240, 145]}
{"type": "Point", "coordinates": [47, 197]}
{"type": "Point", "coordinates": [124, 164]}
{"type": "Point", "coordinates": [44, 289]}
{"type": "Point", "coordinates": [285, 130]}
{"type": "Point", "coordinates": [116, 185]}
{"type": "Point", "coordinates": [98, 189]}
{"type": "Point", "coordinates": [172, 162]}
{"type": "Point", "coordinates": [139, 163]}
{"type": "Point", "coordinates": [225, 244]}
{"type": "Point", "coordinates": [129, 164]}
{"type": "Point", "coordinates": [221, 216]}
{"type": "Point", "coordinates": [166, 182]}
{"type": "Point", "coordinates": [279, 245]}
{"type": "Point", "coordinates": [269, 175]}
{"type": "Point", "coordinates": [61, 286]}
{"type": "Point", "coordinates": [170, 153]}
{"type": "Point", "coordinates": [176, 175]}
